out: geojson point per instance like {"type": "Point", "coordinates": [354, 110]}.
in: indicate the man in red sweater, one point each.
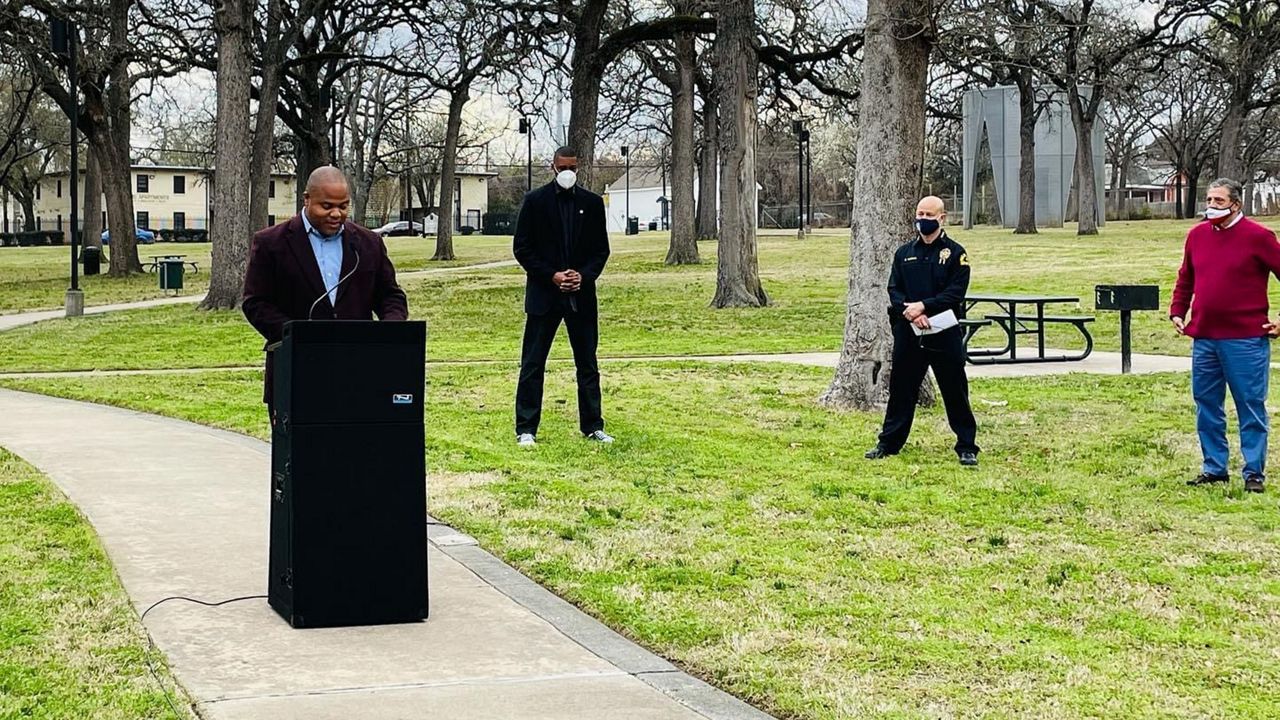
{"type": "Point", "coordinates": [1226, 265]}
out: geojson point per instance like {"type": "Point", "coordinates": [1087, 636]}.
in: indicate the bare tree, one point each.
{"type": "Point", "coordinates": [1187, 123]}
{"type": "Point", "coordinates": [1242, 43]}
{"type": "Point", "coordinates": [898, 41]}
{"type": "Point", "coordinates": [1094, 46]}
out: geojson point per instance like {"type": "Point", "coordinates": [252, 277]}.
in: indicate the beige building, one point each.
{"type": "Point", "coordinates": [175, 197]}
{"type": "Point", "coordinates": [470, 200]}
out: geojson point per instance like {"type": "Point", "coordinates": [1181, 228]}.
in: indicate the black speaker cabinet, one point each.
{"type": "Point", "coordinates": [348, 474]}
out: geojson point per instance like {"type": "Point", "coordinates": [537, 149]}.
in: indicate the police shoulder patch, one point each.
{"type": "Point", "coordinates": [964, 258]}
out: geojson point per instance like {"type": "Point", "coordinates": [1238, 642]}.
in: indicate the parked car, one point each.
{"type": "Point", "coordinates": [821, 219]}
{"type": "Point", "coordinates": [400, 228]}
{"type": "Point", "coordinates": [143, 236]}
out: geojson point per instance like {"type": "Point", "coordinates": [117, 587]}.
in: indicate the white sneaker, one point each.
{"type": "Point", "coordinates": [525, 440]}
{"type": "Point", "coordinates": [600, 436]}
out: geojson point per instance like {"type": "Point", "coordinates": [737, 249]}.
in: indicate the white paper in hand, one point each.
{"type": "Point", "coordinates": [942, 321]}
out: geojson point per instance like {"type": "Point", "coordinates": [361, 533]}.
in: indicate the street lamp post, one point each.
{"type": "Point", "coordinates": [797, 127]}
{"type": "Point", "coordinates": [63, 36]}
{"type": "Point", "coordinates": [626, 220]}
{"type": "Point", "coordinates": [526, 129]}
{"type": "Point", "coordinates": [808, 179]}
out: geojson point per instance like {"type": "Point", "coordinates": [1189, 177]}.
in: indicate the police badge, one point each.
{"type": "Point", "coordinates": [944, 255]}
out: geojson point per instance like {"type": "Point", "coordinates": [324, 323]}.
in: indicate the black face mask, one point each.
{"type": "Point", "coordinates": [926, 226]}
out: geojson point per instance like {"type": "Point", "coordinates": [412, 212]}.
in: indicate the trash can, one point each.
{"type": "Point", "coordinates": [633, 225]}
{"type": "Point", "coordinates": [170, 272]}
{"type": "Point", "coordinates": [92, 259]}
{"type": "Point", "coordinates": [653, 225]}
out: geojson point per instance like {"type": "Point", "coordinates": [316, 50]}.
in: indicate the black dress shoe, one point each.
{"type": "Point", "coordinates": [969, 459]}
{"type": "Point", "coordinates": [1254, 483]}
{"type": "Point", "coordinates": [1207, 479]}
{"type": "Point", "coordinates": [879, 452]}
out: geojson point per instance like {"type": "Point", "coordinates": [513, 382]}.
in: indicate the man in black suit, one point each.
{"type": "Point", "coordinates": [562, 244]}
{"type": "Point", "coordinates": [318, 264]}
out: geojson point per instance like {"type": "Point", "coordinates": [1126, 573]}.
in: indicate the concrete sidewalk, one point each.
{"type": "Point", "coordinates": [183, 510]}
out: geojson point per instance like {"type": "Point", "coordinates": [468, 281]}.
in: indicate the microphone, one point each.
{"type": "Point", "coordinates": [341, 280]}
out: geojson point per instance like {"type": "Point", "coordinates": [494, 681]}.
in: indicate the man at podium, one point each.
{"type": "Point", "coordinates": [319, 265]}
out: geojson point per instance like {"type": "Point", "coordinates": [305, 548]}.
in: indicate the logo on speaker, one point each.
{"type": "Point", "coordinates": [402, 399]}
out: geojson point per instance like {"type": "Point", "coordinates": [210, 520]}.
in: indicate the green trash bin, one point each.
{"type": "Point", "coordinates": [170, 272]}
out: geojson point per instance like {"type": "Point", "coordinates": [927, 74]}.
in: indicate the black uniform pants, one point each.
{"type": "Point", "coordinates": [539, 332]}
{"type": "Point", "coordinates": [943, 352]}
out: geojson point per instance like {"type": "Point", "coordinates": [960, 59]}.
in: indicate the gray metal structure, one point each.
{"type": "Point", "coordinates": [996, 108]}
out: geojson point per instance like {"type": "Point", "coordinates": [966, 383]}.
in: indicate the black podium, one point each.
{"type": "Point", "coordinates": [348, 474]}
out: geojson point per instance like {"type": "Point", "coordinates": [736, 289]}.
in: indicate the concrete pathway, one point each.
{"type": "Point", "coordinates": [183, 510]}
{"type": "Point", "coordinates": [13, 320]}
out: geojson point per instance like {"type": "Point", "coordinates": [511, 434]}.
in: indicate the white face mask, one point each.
{"type": "Point", "coordinates": [1217, 213]}
{"type": "Point", "coordinates": [567, 179]}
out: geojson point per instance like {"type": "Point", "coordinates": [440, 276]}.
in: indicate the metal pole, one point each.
{"type": "Point", "coordinates": [627, 220]}
{"type": "Point", "coordinates": [408, 180]}
{"type": "Point", "coordinates": [72, 51]}
{"type": "Point", "coordinates": [808, 177]}
{"type": "Point", "coordinates": [800, 186]}
{"type": "Point", "coordinates": [528, 166]}
{"type": "Point", "coordinates": [1126, 349]}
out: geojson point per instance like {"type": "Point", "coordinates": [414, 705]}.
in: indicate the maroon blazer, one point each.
{"type": "Point", "coordinates": [283, 280]}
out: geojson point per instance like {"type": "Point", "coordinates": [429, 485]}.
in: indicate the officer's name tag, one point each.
{"type": "Point", "coordinates": [910, 259]}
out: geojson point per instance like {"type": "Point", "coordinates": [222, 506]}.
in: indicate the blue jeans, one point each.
{"type": "Point", "coordinates": [1245, 367]}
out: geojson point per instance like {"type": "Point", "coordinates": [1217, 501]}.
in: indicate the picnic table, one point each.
{"type": "Point", "coordinates": [1031, 321]}
{"type": "Point", "coordinates": [154, 265]}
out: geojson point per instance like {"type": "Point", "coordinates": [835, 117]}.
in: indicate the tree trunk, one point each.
{"type": "Point", "coordinates": [1115, 187]}
{"type": "Point", "coordinates": [1177, 194]}
{"type": "Point", "coordinates": [92, 202]}
{"type": "Point", "coordinates": [1189, 205]}
{"type": "Point", "coordinates": [737, 272]}
{"type": "Point", "coordinates": [1122, 206]}
{"type": "Point", "coordinates": [229, 230]}
{"type": "Point", "coordinates": [1086, 191]}
{"type": "Point", "coordinates": [1027, 159]}
{"type": "Point", "coordinates": [264, 132]}
{"type": "Point", "coordinates": [313, 140]}
{"type": "Point", "coordinates": [889, 167]}
{"type": "Point", "coordinates": [684, 240]}
{"type": "Point", "coordinates": [28, 203]}
{"type": "Point", "coordinates": [1230, 162]}
{"type": "Point", "coordinates": [587, 72]}
{"type": "Point", "coordinates": [110, 140]}
{"type": "Point", "coordinates": [448, 165]}
{"type": "Point", "coordinates": [709, 166]}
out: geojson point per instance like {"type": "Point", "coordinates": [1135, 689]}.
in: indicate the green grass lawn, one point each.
{"type": "Point", "coordinates": [648, 308]}
{"type": "Point", "coordinates": [735, 528]}
{"type": "Point", "coordinates": [34, 278]}
{"type": "Point", "coordinates": [70, 644]}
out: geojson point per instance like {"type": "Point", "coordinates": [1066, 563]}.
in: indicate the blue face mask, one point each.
{"type": "Point", "coordinates": [926, 226]}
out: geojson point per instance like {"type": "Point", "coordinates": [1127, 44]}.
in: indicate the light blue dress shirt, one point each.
{"type": "Point", "coordinates": [328, 251]}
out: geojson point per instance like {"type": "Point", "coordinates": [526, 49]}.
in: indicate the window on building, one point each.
{"type": "Point", "coordinates": [271, 189]}
{"type": "Point", "coordinates": [59, 188]}
{"type": "Point", "coordinates": [37, 191]}
{"type": "Point", "coordinates": [179, 221]}
{"type": "Point", "coordinates": [144, 184]}
{"type": "Point", "coordinates": [271, 220]}
{"type": "Point", "coordinates": [144, 219]}
{"type": "Point", "coordinates": [39, 223]}
{"type": "Point", "coordinates": [104, 219]}
{"type": "Point", "coordinates": [59, 223]}
{"type": "Point", "coordinates": [179, 184]}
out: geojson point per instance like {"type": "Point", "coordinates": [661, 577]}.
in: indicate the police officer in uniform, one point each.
{"type": "Point", "coordinates": [929, 276]}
